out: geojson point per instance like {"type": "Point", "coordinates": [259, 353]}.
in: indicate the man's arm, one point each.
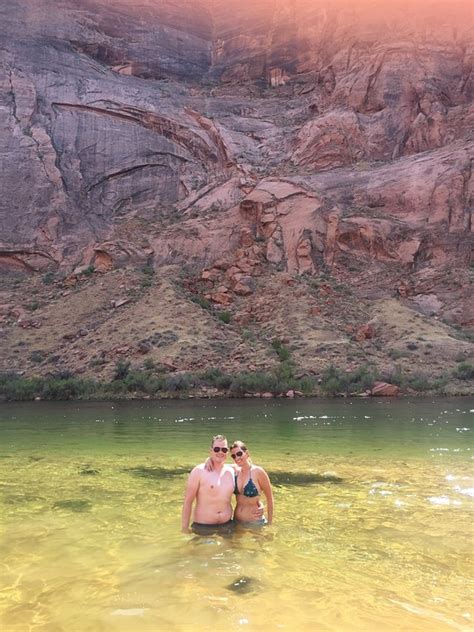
{"type": "Point", "coordinates": [190, 494]}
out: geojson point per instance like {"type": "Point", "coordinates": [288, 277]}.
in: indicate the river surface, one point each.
{"type": "Point", "coordinates": [373, 517]}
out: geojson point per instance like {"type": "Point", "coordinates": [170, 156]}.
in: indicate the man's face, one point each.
{"type": "Point", "coordinates": [217, 455]}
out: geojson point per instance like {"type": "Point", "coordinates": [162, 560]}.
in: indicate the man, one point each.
{"type": "Point", "coordinates": [212, 490]}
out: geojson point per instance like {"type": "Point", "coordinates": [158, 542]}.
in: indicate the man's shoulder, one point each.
{"type": "Point", "coordinates": [201, 469]}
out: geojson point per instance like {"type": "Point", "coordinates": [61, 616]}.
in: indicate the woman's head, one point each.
{"type": "Point", "coordinates": [239, 452]}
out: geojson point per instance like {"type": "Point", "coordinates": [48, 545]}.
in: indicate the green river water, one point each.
{"type": "Point", "coordinates": [372, 532]}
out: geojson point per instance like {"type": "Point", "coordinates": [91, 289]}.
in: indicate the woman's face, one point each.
{"type": "Point", "coordinates": [239, 455]}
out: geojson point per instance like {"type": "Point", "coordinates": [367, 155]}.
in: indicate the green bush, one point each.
{"type": "Point", "coordinates": [215, 377]}
{"type": "Point", "coordinates": [253, 383]}
{"type": "Point", "coordinates": [178, 382]}
{"type": "Point", "coordinates": [148, 270]}
{"type": "Point", "coordinates": [419, 382]}
{"type": "Point", "coordinates": [281, 350]}
{"type": "Point", "coordinates": [33, 306]}
{"type": "Point", "coordinates": [335, 381]}
{"type": "Point", "coordinates": [89, 271]}
{"type": "Point", "coordinates": [121, 370]}
{"type": "Point", "coordinates": [395, 354]}
{"type": "Point", "coordinates": [53, 388]}
{"type": "Point", "coordinates": [37, 356]}
{"type": "Point", "coordinates": [224, 317]}
{"type": "Point", "coordinates": [305, 385]}
{"type": "Point", "coordinates": [71, 388]}
{"type": "Point", "coordinates": [464, 371]}
{"type": "Point", "coordinates": [19, 389]}
{"type": "Point", "coordinates": [202, 302]}
{"type": "Point", "coordinates": [48, 278]}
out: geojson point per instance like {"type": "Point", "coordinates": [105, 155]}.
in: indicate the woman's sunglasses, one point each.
{"type": "Point", "coordinates": [237, 454]}
{"type": "Point", "coordinates": [224, 450]}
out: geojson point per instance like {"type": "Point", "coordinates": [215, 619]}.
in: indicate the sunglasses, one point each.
{"type": "Point", "coordinates": [237, 454]}
{"type": "Point", "coordinates": [224, 450]}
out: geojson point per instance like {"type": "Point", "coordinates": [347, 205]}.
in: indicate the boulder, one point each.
{"type": "Point", "coordinates": [384, 389]}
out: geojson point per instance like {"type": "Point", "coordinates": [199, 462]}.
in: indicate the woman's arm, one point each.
{"type": "Point", "coordinates": [266, 488]}
{"type": "Point", "coordinates": [209, 467]}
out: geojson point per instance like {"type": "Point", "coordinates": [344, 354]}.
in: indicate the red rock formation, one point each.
{"type": "Point", "coordinates": [312, 135]}
{"type": "Point", "coordinates": [383, 389]}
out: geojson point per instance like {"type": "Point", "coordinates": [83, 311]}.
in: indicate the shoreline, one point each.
{"type": "Point", "coordinates": [366, 381]}
{"type": "Point", "coordinates": [222, 395]}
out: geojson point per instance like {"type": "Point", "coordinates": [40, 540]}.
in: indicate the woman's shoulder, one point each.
{"type": "Point", "coordinates": [256, 469]}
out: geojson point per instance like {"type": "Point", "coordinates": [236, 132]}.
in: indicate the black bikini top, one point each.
{"type": "Point", "coordinates": [250, 489]}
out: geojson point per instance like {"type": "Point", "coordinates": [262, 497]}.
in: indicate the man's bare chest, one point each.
{"type": "Point", "coordinates": [217, 484]}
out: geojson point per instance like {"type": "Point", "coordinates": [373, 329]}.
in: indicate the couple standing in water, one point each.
{"type": "Point", "coordinates": [212, 484]}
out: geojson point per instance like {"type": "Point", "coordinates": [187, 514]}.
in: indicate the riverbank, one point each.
{"type": "Point", "coordinates": [152, 383]}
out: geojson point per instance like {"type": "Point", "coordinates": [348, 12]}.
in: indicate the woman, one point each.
{"type": "Point", "coordinates": [250, 481]}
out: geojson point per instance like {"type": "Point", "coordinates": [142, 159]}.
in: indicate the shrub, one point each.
{"type": "Point", "coordinates": [285, 376]}
{"type": "Point", "coordinates": [148, 270]}
{"type": "Point", "coordinates": [306, 385]}
{"type": "Point", "coordinates": [281, 350]}
{"type": "Point", "coordinates": [224, 317]}
{"type": "Point", "coordinates": [335, 381]}
{"type": "Point", "coordinates": [48, 278]}
{"type": "Point", "coordinates": [19, 389]}
{"type": "Point", "coordinates": [419, 382]}
{"type": "Point", "coordinates": [53, 388]}
{"type": "Point", "coordinates": [37, 356]}
{"type": "Point", "coordinates": [395, 354]}
{"type": "Point", "coordinates": [178, 382]}
{"type": "Point", "coordinates": [464, 371]}
{"type": "Point", "coordinates": [202, 302]}
{"type": "Point", "coordinates": [394, 377]}
{"type": "Point", "coordinates": [332, 386]}
{"type": "Point", "coordinates": [216, 377]}
{"type": "Point", "coordinates": [121, 370]}
{"type": "Point", "coordinates": [63, 389]}
{"type": "Point", "coordinates": [252, 383]}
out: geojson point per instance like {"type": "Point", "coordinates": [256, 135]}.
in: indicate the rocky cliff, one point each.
{"type": "Point", "coordinates": [304, 167]}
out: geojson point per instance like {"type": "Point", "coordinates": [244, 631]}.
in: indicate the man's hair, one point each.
{"type": "Point", "coordinates": [218, 438]}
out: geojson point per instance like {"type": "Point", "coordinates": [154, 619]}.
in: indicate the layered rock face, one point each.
{"type": "Point", "coordinates": [324, 135]}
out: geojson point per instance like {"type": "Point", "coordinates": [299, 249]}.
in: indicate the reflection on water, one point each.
{"type": "Point", "coordinates": [373, 526]}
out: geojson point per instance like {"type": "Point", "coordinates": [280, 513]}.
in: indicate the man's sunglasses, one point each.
{"type": "Point", "coordinates": [237, 454]}
{"type": "Point", "coordinates": [224, 450]}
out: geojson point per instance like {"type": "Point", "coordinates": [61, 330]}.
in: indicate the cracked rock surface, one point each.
{"type": "Point", "coordinates": [243, 141]}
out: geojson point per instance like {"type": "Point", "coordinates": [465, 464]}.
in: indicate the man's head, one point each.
{"type": "Point", "coordinates": [219, 449]}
